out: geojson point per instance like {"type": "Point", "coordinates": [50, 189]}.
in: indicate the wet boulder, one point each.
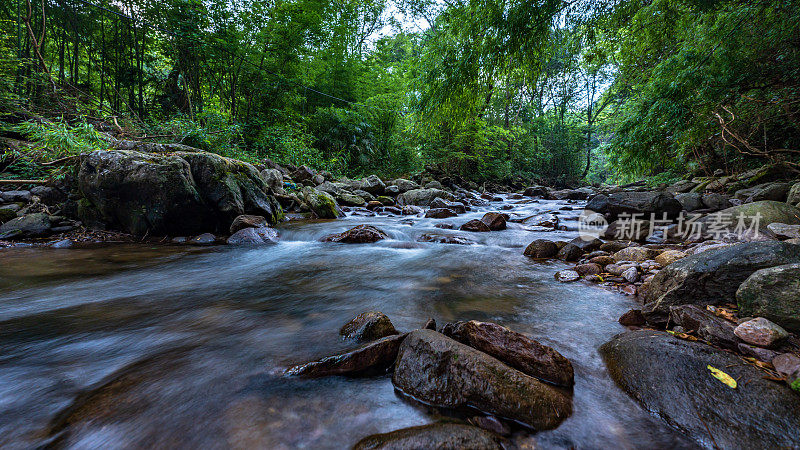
{"type": "Point", "coordinates": [440, 213]}
{"type": "Point", "coordinates": [772, 293]}
{"type": "Point", "coordinates": [442, 372]}
{"type": "Point", "coordinates": [254, 236]}
{"type": "Point", "coordinates": [456, 207]}
{"type": "Point", "coordinates": [475, 225]}
{"type": "Point", "coordinates": [302, 173]}
{"type": "Point", "coordinates": [569, 252]}
{"type": "Point", "coordinates": [536, 191]}
{"type": "Point", "coordinates": [713, 276]}
{"type": "Point", "coordinates": [716, 202]}
{"type": "Point", "coordinates": [422, 197]}
{"type": "Point", "coordinates": [231, 188]}
{"type": "Point", "coordinates": [247, 221]}
{"type": "Point", "coordinates": [348, 199]}
{"type": "Point", "coordinates": [645, 202]}
{"type": "Point", "coordinates": [143, 193]}
{"type": "Point", "coordinates": [373, 358]}
{"type": "Point", "coordinates": [756, 215]}
{"type": "Point", "coordinates": [322, 204]}
{"type": "Point", "coordinates": [361, 234]}
{"type": "Point", "coordinates": [541, 248]}
{"type": "Point", "coordinates": [515, 349]}
{"type": "Point", "coordinates": [495, 221]}
{"type": "Point", "coordinates": [690, 201]}
{"type": "Point", "coordinates": [373, 185]}
{"type": "Point", "coordinates": [668, 257]}
{"type": "Point", "coordinates": [274, 179]}
{"type": "Point", "coordinates": [671, 377]}
{"type": "Point", "coordinates": [16, 196]}
{"type": "Point", "coordinates": [27, 226]}
{"type": "Point", "coordinates": [405, 185]}
{"type": "Point", "coordinates": [776, 191]}
{"type": "Point", "coordinates": [433, 436]}
{"type": "Point", "coordinates": [706, 325]}
{"type": "Point", "coordinates": [368, 326]}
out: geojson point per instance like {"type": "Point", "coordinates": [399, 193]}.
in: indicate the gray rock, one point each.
{"type": "Point", "coordinates": [541, 248]}
{"type": "Point", "coordinates": [514, 349]}
{"type": "Point", "coordinates": [773, 293]}
{"type": "Point", "coordinates": [690, 201]}
{"type": "Point", "coordinates": [373, 358]}
{"type": "Point", "coordinates": [48, 195]}
{"type": "Point", "coordinates": [247, 221]}
{"type": "Point", "coordinates": [440, 213]}
{"type": "Point", "coordinates": [706, 325]}
{"type": "Point", "coordinates": [8, 212]}
{"type": "Point", "coordinates": [645, 202]}
{"type": "Point", "coordinates": [433, 436]}
{"type": "Point", "coordinates": [27, 226]}
{"type": "Point", "coordinates": [406, 185]}
{"type": "Point", "coordinates": [322, 205]}
{"type": "Point", "coordinates": [16, 196]}
{"type": "Point", "coordinates": [793, 198]}
{"type": "Point", "coordinates": [254, 236]}
{"type": "Point", "coordinates": [373, 185]}
{"type": "Point", "coordinates": [348, 199]}
{"type": "Point", "coordinates": [536, 191]}
{"type": "Point", "coordinates": [711, 277]}
{"type": "Point", "coordinates": [788, 365]}
{"type": "Point", "coordinates": [776, 191]}
{"type": "Point", "coordinates": [631, 275]}
{"type": "Point", "coordinates": [368, 326]}
{"type": "Point", "coordinates": [760, 332]}
{"type": "Point", "coordinates": [171, 194]}
{"type": "Point", "coordinates": [568, 275]}
{"type": "Point", "coordinates": [785, 231]}
{"type": "Point", "coordinates": [422, 197]}
{"type": "Point", "coordinates": [759, 353]}
{"type": "Point", "coordinates": [203, 240]}
{"type": "Point", "coordinates": [457, 207]}
{"type": "Point", "coordinates": [433, 185]}
{"type": "Point", "coordinates": [716, 202]}
{"type": "Point", "coordinates": [442, 372]}
{"type": "Point", "coordinates": [670, 377]}
{"type": "Point", "coordinates": [273, 179]}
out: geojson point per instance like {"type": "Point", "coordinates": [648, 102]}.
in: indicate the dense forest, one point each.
{"type": "Point", "coordinates": [488, 89]}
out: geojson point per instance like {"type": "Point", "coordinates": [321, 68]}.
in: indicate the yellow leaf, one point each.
{"type": "Point", "coordinates": [722, 376]}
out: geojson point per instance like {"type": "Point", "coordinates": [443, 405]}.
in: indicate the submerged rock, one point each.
{"type": "Point", "coordinates": [444, 239]}
{"type": "Point", "coordinates": [368, 326]}
{"type": "Point", "coordinates": [357, 235]}
{"type": "Point", "coordinates": [373, 358]}
{"type": "Point", "coordinates": [440, 213]}
{"type": "Point", "coordinates": [442, 372]}
{"type": "Point", "coordinates": [671, 377]}
{"type": "Point", "coordinates": [515, 349]}
{"type": "Point", "coordinates": [433, 436]}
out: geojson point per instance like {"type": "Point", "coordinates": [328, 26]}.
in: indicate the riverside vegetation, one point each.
{"type": "Point", "coordinates": [341, 151]}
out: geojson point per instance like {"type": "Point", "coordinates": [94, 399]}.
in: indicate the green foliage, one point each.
{"type": "Point", "coordinates": [796, 385]}
{"type": "Point", "coordinates": [58, 139]}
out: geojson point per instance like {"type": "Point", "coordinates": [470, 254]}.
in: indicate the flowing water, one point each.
{"type": "Point", "coordinates": [141, 346]}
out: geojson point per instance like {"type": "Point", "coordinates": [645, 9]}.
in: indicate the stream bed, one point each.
{"type": "Point", "coordinates": [141, 346]}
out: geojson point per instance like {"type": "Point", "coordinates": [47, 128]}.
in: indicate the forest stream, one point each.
{"type": "Point", "coordinates": [138, 346]}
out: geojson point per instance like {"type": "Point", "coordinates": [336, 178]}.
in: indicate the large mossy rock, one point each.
{"type": "Point", "coordinates": [712, 277]}
{"type": "Point", "coordinates": [772, 293]}
{"type": "Point", "coordinates": [322, 204]}
{"type": "Point", "coordinates": [670, 377]}
{"type": "Point", "coordinates": [231, 187]}
{"type": "Point", "coordinates": [182, 193]}
{"type": "Point", "coordinates": [433, 436]}
{"type": "Point", "coordinates": [422, 197]}
{"type": "Point", "coordinates": [439, 371]}
{"type": "Point", "coordinates": [645, 203]}
{"type": "Point", "coordinates": [144, 193]}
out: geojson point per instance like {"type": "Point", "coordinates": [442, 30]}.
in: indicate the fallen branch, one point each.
{"type": "Point", "coordinates": [60, 160]}
{"type": "Point", "coordinates": [24, 181]}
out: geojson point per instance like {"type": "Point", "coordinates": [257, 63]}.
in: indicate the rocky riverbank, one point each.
{"type": "Point", "coordinates": [714, 263]}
